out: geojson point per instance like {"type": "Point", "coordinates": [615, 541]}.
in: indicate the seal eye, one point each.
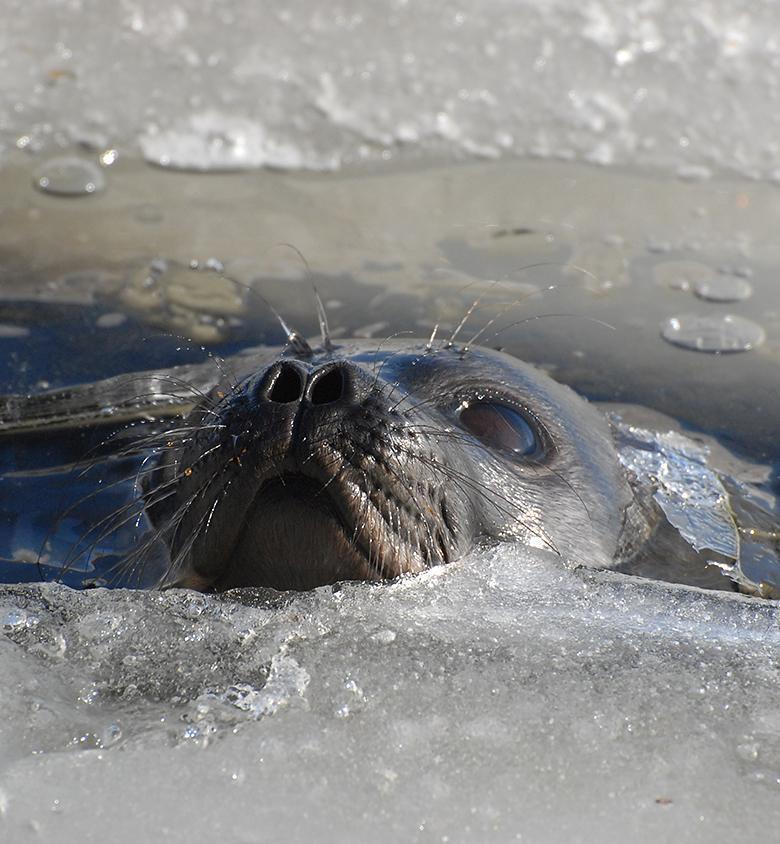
{"type": "Point", "coordinates": [501, 427]}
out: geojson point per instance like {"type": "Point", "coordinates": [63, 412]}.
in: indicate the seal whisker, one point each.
{"type": "Point", "coordinates": [375, 558]}
{"type": "Point", "coordinates": [156, 395]}
{"type": "Point", "coordinates": [464, 319]}
{"type": "Point", "coordinates": [471, 441]}
{"type": "Point", "coordinates": [414, 407]}
{"type": "Point", "coordinates": [547, 316]}
{"type": "Point", "coordinates": [136, 561]}
{"type": "Point", "coordinates": [322, 317]}
{"type": "Point", "coordinates": [95, 457]}
{"type": "Point", "coordinates": [187, 547]}
{"type": "Point", "coordinates": [219, 362]}
{"type": "Point", "coordinates": [341, 460]}
{"type": "Point", "coordinates": [407, 486]}
{"type": "Point", "coordinates": [408, 489]}
{"type": "Point", "coordinates": [491, 495]}
{"type": "Point", "coordinates": [159, 440]}
{"type": "Point", "coordinates": [378, 372]}
{"type": "Point", "coordinates": [360, 525]}
{"type": "Point", "coordinates": [113, 526]}
{"type": "Point", "coordinates": [493, 320]}
{"type": "Point", "coordinates": [173, 523]}
{"type": "Point", "coordinates": [101, 490]}
{"type": "Point", "coordinates": [294, 338]}
{"type": "Point", "coordinates": [113, 521]}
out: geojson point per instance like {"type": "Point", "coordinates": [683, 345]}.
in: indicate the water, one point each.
{"type": "Point", "coordinates": [503, 697]}
{"type": "Point", "coordinates": [717, 334]}
{"type": "Point", "coordinates": [723, 288]}
{"type": "Point", "coordinates": [69, 177]}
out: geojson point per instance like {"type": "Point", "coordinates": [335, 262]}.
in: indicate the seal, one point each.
{"type": "Point", "coordinates": [306, 465]}
{"type": "Point", "coordinates": [350, 462]}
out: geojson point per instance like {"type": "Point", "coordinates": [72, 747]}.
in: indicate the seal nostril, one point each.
{"type": "Point", "coordinates": [329, 387]}
{"type": "Point", "coordinates": [287, 386]}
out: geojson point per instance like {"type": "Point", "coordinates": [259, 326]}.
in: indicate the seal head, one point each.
{"type": "Point", "coordinates": [362, 463]}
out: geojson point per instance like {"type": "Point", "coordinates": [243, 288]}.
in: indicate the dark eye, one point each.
{"type": "Point", "coordinates": [500, 426]}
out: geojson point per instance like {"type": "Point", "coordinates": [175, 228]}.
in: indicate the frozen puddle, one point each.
{"type": "Point", "coordinates": [505, 698]}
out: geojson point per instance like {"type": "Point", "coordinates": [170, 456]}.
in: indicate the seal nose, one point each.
{"type": "Point", "coordinates": [287, 386]}
{"type": "Point", "coordinates": [327, 385]}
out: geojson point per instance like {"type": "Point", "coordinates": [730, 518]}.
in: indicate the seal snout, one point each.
{"type": "Point", "coordinates": [288, 382]}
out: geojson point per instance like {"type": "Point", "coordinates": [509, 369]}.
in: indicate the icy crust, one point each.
{"type": "Point", "coordinates": [732, 521]}
{"type": "Point", "coordinates": [687, 86]}
{"type": "Point", "coordinates": [501, 697]}
{"type": "Point", "coordinates": [688, 491]}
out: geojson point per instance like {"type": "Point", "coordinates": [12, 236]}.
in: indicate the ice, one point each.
{"type": "Point", "coordinates": [214, 141]}
{"type": "Point", "coordinates": [501, 698]}
{"type": "Point", "coordinates": [688, 491]}
{"type": "Point", "coordinates": [684, 86]}
{"type": "Point", "coordinates": [723, 288]}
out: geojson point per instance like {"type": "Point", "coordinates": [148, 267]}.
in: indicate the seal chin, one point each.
{"type": "Point", "coordinates": [298, 534]}
{"type": "Point", "coordinates": [295, 537]}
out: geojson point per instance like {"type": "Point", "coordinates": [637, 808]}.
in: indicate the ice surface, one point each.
{"type": "Point", "coordinates": [689, 492]}
{"type": "Point", "coordinates": [501, 698]}
{"type": "Point", "coordinates": [687, 86]}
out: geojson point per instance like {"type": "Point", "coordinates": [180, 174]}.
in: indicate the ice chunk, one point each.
{"type": "Point", "coordinates": [689, 492]}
